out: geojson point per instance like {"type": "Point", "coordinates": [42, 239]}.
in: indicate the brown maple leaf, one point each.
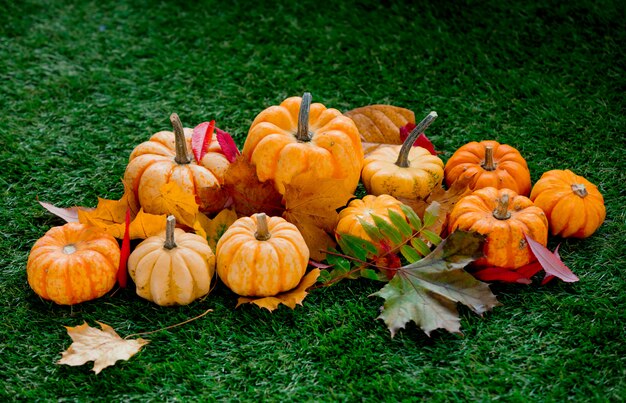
{"type": "Point", "coordinates": [104, 347]}
{"type": "Point", "coordinates": [380, 124]}
{"type": "Point", "coordinates": [288, 298]}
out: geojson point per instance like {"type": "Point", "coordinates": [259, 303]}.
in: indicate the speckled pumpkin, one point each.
{"type": "Point", "coordinates": [73, 263]}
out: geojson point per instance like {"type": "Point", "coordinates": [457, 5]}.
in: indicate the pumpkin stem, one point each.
{"type": "Point", "coordinates": [403, 155]}
{"type": "Point", "coordinates": [502, 209]}
{"type": "Point", "coordinates": [69, 249]}
{"type": "Point", "coordinates": [488, 163]}
{"type": "Point", "coordinates": [262, 231]}
{"type": "Point", "coordinates": [170, 226]}
{"type": "Point", "coordinates": [181, 144]}
{"type": "Point", "coordinates": [579, 189]}
{"type": "Point", "coordinates": [303, 133]}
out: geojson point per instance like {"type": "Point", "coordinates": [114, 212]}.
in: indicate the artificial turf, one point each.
{"type": "Point", "coordinates": [83, 82]}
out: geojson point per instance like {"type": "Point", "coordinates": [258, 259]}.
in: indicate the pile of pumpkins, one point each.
{"type": "Point", "coordinates": [263, 256]}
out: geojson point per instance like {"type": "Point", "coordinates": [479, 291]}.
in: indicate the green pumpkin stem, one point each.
{"type": "Point", "coordinates": [303, 133]}
{"type": "Point", "coordinates": [262, 231]}
{"type": "Point", "coordinates": [502, 209]}
{"type": "Point", "coordinates": [579, 189]}
{"type": "Point", "coordinates": [181, 144]}
{"type": "Point", "coordinates": [489, 164]}
{"type": "Point", "coordinates": [403, 155]}
{"type": "Point", "coordinates": [170, 226]}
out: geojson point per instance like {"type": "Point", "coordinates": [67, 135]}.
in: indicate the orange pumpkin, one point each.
{"type": "Point", "coordinates": [573, 205]}
{"type": "Point", "coordinates": [172, 268]}
{"type": "Point", "coordinates": [261, 257]}
{"type": "Point", "coordinates": [504, 217]}
{"type": "Point", "coordinates": [300, 138]}
{"type": "Point", "coordinates": [165, 158]}
{"type": "Point", "coordinates": [490, 164]}
{"type": "Point", "coordinates": [403, 171]}
{"type": "Point", "coordinates": [73, 263]}
{"type": "Point", "coordinates": [358, 210]}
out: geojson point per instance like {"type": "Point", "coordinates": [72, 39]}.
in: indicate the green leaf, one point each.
{"type": "Point", "coordinates": [431, 236]}
{"type": "Point", "coordinates": [371, 230]}
{"type": "Point", "coordinates": [324, 276]}
{"type": "Point", "coordinates": [431, 214]}
{"type": "Point", "coordinates": [414, 219]}
{"type": "Point", "coordinates": [427, 291]}
{"type": "Point", "coordinates": [410, 254]}
{"type": "Point", "coordinates": [356, 247]}
{"type": "Point", "coordinates": [400, 223]}
{"type": "Point", "coordinates": [420, 246]}
{"type": "Point", "coordinates": [387, 230]}
{"type": "Point", "coordinates": [372, 274]}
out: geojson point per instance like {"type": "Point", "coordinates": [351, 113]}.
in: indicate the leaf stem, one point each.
{"type": "Point", "coordinates": [171, 326]}
{"type": "Point", "coordinates": [181, 144]}
{"type": "Point", "coordinates": [403, 155]}
{"type": "Point", "coordinates": [303, 133]}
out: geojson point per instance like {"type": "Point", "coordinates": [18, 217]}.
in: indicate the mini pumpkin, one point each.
{"type": "Point", "coordinates": [300, 138]}
{"type": "Point", "coordinates": [73, 263]}
{"type": "Point", "coordinates": [504, 217]}
{"type": "Point", "coordinates": [403, 171]}
{"type": "Point", "coordinates": [165, 158]}
{"type": "Point", "coordinates": [351, 218]}
{"type": "Point", "coordinates": [490, 164]}
{"type": "Point", "coordinates": [259, 256]}
{"type": "Point", "coordinates": [172, 268]}
{"type": "Point", "coordinates": [573, 205]}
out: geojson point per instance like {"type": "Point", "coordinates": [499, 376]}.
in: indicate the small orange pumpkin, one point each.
{"type": "Point", "coordinates": [165, 158]}
{"type": "Point", "coordinates": [504, 217]}
{"type": "Point", "coordinates": [172, 268]}
{"type": "Point", "coordinates": [300, 138]}
{"type": "Point", "coordinates": [573, 205]}
{"type": "Point", "coordinates": [490, 164]}
{"type": "Point", "coordinates": [403, 171]}
{"type": "Point", "coordinates": [73, 263]}
{"type": "Point", "coordinates": [358, 210]}
{"type": "Point", "coordinates": [261, 257]}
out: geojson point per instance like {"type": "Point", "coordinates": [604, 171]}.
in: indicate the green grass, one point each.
{"type": "Point", "coordinates": [82, 83]}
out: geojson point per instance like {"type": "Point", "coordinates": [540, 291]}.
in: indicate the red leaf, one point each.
{"type": "Point", "coordinates": [68, 214]}
{"type": "Point", "coordinates": [229, 148]}
{"type": "Point", "coordinates": [529, 270]}
{"type": "Point", "coordinates": [201, 138]}
{"type": "Point", "coordinates": [122, 274]}
{"type": "Point", "coordinates": [421, 141]}
{"type": "Point", "coordinates": [501, 274]}
{"type": "Point", "coordinates": [551, 262]}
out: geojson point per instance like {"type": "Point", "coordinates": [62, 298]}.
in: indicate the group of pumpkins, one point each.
{"type": "Point", "coordinates": [263, 256]}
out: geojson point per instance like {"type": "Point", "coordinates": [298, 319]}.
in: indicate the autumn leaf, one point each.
{"type": "Point", "coordinates": [69, 214]}
{"type": "Point", "coordinates": [104, 347]}
{"type": "Point", "coordinates": [501, 274]}
{"type": "Point", "coordinates": [380, 124]}
{"type": "Point", "coordinates": [201, 138]}
{"type": "Point", "coordinates": [226, 142]}
{"type": "Point", "coordinates": [427, 291]}
{"type": "Point", "coordinates": [288, 298]}
{"type": "Point", "coordinates": [551, 262]}
{"type": "Point", "coordinates": [177, 202]}
{"type": "Point", "coordinates": [311, 205]}
{"type": "Point", "coordinates": [421, 141]}
{"type": "Point", "coordinates": [249, 195]}
{"type": "Point", "coordinates": [142, 226]}
{"type": "Point", "coordinates": [213, 229]}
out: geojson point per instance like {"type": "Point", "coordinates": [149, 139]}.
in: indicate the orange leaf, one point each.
{"type": "Point", "coordinates": [146, 225]}
{"type": "Point", "coordinates": [380, 124]}
{"type": "Point", "coordinates": [288, 298]}
{"type": "Point", "coordinates": [176, 201]}
{"type": "Point", "coordinates": [250, 195]}
{"type": "Point", "coordinates": [213, 229]}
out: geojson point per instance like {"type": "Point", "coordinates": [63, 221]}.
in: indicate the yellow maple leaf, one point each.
{"type": "Point", "coordinates": [145, 225]}
{"type": "Point", "coordinates": [181, 204]}
{"type": "Point", "coordinates": [288, 298]}
{"type": "Point", "coordinates": [104, 347]}
{"type": "Point", "coordinates": [213, 229]}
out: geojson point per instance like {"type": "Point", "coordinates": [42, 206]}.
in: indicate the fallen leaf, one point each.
{"type": "Point", "coordinates": [249, 195]}
{"type": "Point", "coordinates": [145, 225]}
{"type": "Point", "coordinates": [177, 202]}
{"type": "Point", "coordinates": [229, 148]}
{"type": "Point", "coordinates": [104, 347]}
{"type": "Point", "coordinates": [380, 124]}
{"type": "Point", "coordinates": [122, 273]}
{"type": "Point", "coordinates": [201, 139]}
{"type": "Point", "coordinates": [218, 225]}
{"type": "Point", "coordinates": [69, 214]}
{"type": "Point", "coordinates": [142, 226]}
{"type": "Point", "coordinates": [500, 274]}
{"type": "Point", "coordinates": [421, 141]}
{"type": "Point", "coordinates": [427, 291]}
{"type": "Point", "coordinates": [288, 298]}
{"type": "Point", "coordinates": [551, 262]}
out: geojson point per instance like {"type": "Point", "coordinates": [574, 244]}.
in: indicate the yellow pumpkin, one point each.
{"type": "Point", "coordinates": [166, 158]}
{"type": "Point", "coordinates": [73, 263]}
{"type": "Point", "coordinates": [297, 138]}
{"type": "Point", "coordinates": [261, 257]}
{"type": "Point", "coordinates": [573, 205]}
{"type": "Point", "coordinates": [504, 217]}
{"type": "Point", "coordinates": [173, 268]}
{"type": "Point", "coordinates": [403, 171]}
{"type": "Point", "coordinates": [358, 210]}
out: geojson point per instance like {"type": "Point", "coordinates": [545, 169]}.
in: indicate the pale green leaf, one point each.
{"type": "Point", "coordinates": [400, 223]}
{"type": "Point", "coordinates": [410, 254]}
{"type": "Point", "coordinates": [414, 219]}
{"type": "Point", "coordinates": [388, 230]}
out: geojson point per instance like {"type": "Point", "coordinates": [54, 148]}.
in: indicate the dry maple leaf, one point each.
{"type": "Point", "coordinates": [248, 193]}
{"type": "Point", "coordinates": [142, 226]}
{"type": "Point", "coordinates": [176, 201]}
{"type": "Point", "coordinates": [380, 124]}
{"type": "Point", "coordinates": [288, 298]}
{"type": "Point", "coordinates": [104, 347]}
{"type": "Point", "coordinates": [213, 229]}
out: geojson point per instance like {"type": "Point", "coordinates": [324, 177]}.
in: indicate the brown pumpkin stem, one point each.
{"type": "Point", "coordinates": [303, 133]}
{"type": "Point", "coordinates": [181, 144]}
{"type": "Point", "coordinates": [170, 226]}
{"type": "Point", "coordinates": [262, 231]}
{"type": "Point", "coordinates": [502, 209]}
{"type": "Point", "coordinates": [579, 189]}
{"type": "Point", "coordinates": [488, 163]}
{"type": "Point", "coordinates": [403, 155]}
